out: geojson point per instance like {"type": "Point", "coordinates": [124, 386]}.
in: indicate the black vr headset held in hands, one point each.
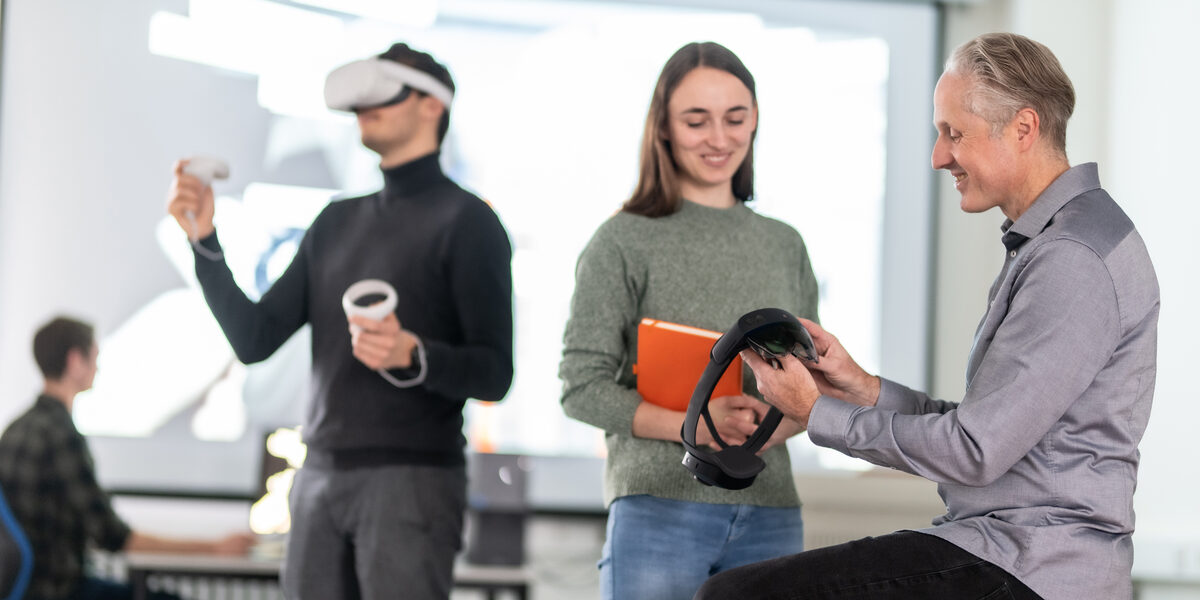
{"type": "Point", "coordinates": [771, 333]}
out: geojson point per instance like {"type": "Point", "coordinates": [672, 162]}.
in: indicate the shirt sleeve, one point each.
{"type": "Point", "coordinates": [480, 275]}
{"type": "Point", "coordinates": [74, 469]}
{"type": "Point", "coordinates": [1061, 328]}
{"type": "Point", "coordinates": [594, 344]}
{"type": "Point", "coordinates": [255, 330]}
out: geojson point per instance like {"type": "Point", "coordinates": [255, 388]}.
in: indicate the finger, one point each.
{"type": "Point", "coordinates": [738, 401]}
{"type": "Point", "coordinates": [745, 415]}
{"type": "Point", "coordinates": [188, 187]}
{"type": "Point", "coordinates": [790, 363]}
{"type": "Point", "coordinates": [799, 370]}
{"type": "Point", "coordinates": [190, 181]}
{"type": "Point", "coordinates": [828, 364]}
{"type": "Point", "coordinates": [742, 427]}
{"type": "Point", "coordinates": [179, 209]}
{"type": "Point", "coordinates": [375, 344]}
{"type": "Point", "coordinates": [822, 340]}
{"type": "Point", "coordinates": [368, 357]}
{"type": "Point", "coordinates": [755, 362]}
{"type": "Point", "coordinates": [760, 409]}
{"type": "Point", "coordinates": [371, 325]}
{"type": "Point", "coordinates": [177, 168]}
{"type": "Point", "coordinates": [184, 199]}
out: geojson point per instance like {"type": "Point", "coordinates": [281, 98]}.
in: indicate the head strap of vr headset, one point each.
{"type": "Point", "coordinates": [731, 467]}
{"type": "Point", "coordinates": [416, 79]}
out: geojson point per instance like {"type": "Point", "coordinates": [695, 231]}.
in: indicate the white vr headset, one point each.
{"type": "Point", "coordinates": [374, 82]}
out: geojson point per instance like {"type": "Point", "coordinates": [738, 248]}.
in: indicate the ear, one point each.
{"type": "Point", "coordinates": [1028, 128]}
{"type": "Point", "coordinates": [432, 108]}
{"type": "Point", "coordinates": [75, 361]}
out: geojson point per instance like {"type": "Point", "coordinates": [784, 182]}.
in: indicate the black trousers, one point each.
{"type": "Point", "coordinates": [902, 565]}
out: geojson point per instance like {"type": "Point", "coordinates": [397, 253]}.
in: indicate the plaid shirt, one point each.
{"type": "Point", "coordinates": [46, 471]}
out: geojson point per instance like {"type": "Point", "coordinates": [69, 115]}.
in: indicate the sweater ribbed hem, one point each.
{"type": "Point", "coordinates": [655, 467]}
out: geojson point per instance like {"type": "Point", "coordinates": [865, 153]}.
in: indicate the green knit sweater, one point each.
{"type": "Point", "coordinates": [703, 267]}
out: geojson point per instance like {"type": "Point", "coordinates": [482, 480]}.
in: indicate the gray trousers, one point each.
{"type": "Point", "coordinates": [374, 532]}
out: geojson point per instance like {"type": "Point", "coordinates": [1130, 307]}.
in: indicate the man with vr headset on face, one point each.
{"type": "Point", "coordinates": [377, 508]}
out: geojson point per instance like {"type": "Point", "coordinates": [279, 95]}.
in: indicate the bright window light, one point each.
{"type": "Point", "coordinates": [413, 13]}
{"type": "Point", "coordinates": [249, 36]}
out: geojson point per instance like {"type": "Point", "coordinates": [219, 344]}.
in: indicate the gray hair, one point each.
{"type": "Point", "coordinates": [1010, 72]}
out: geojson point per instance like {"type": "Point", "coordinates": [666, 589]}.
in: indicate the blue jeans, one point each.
{"type": "Point", "coordinates": [659, 549]}
{"type": "Point", "coordinates": [906, 565]}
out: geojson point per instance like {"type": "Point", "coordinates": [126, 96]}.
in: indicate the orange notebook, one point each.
{"type": "Point", "coordinates": [671, 358]}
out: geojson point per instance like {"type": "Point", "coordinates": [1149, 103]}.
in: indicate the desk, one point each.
{"type": "Point", "coordinates": [492, 579]}
{"type": "Point", "coordinates": [142, 565]}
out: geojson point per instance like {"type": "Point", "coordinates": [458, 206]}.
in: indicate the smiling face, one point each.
{"type": "Point", "coordinates": [711, 118]}
{"type": "Point", "coordinates": [984, 166]}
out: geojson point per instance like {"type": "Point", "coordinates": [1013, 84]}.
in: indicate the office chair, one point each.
{"type": "Point", "coordinates": [16, 555]}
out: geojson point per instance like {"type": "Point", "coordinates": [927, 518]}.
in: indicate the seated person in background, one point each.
{"type": "Point", "coordinates": [47, 473]}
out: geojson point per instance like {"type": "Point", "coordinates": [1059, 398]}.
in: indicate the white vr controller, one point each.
{"type": "Point", "coordinates": [207, 168]}
{"type": "Point", "coordinates": [352, 300]}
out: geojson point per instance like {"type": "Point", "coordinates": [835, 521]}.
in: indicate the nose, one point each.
{"type": "Point", "coordinates": [941, 157]}
{"type": "Point", "coordinates": [718, 136]}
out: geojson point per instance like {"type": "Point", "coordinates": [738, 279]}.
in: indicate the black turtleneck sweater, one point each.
{"type": "Point", "coordinates": [449, 258]}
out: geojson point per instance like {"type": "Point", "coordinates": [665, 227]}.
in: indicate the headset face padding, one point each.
{"type": "Point", "coordinates": [771, 332]}
{"type": "Point", "coordinates": [731, 468]}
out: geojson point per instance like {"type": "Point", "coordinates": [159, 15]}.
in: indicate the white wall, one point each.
{"type": "Point", "coordinates": [62, 228]}
{"type": "Point", "coordinates": [1133, 66]}
{"type": "Point", "coordinates": [1154, 90]}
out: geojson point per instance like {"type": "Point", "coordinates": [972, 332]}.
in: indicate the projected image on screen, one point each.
{"type": "Point", "coordinates": [546, 126]}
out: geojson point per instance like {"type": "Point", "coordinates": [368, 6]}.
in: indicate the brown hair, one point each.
{"type": "Point", "coordinates": [1009, 72]}
{"type": "Point", "coordinates": [55, 340]}
{"type": "Point", "coordinates": [657, 193]}
{"type": "Point", "coordinates": [424, 62]}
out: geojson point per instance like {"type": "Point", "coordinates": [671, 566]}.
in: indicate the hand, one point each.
{"type": "Point", "coordinates": [236, 544]}
{"type": "Point", "coordinates": [188, 193]}
{"type": "Point", "coordinates": [732, 416]}
{"type": "Point", "coordinates": [786, 429]}
{"type": "Point", "coordinates": [381, 344]}
{"type": "Point", "coordinates": [791, 389]}
{"type": "Point", "coordinates": [837, 375]}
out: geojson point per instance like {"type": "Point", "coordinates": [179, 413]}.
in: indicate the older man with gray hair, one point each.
{"type": "Point", "coordinates": [1037, 463]}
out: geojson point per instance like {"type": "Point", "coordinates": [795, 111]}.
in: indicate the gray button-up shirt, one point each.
{"type": "Point", "coordinates": [1038, 463]}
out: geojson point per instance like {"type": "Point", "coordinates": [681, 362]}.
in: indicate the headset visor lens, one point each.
{"type": "Point", "coordinates": [776, 340]}
{"type": "Point", "coordinates": [405, 91]}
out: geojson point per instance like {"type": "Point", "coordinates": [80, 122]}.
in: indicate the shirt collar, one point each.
{"type": "Point", "coordinates": [46, 401]}
{"type": "Point", "coordinates": [413, 176]}
{"type": "Point", "coordinates": [1074, 182]}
